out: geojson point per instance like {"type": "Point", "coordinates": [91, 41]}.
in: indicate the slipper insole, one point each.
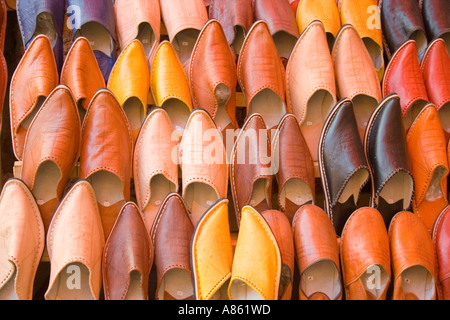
{"type": "Point", "coordinates": [323, 277]}
{"type": "Point", "coordinates": [147, 36]}
{"type": "Point", "coordinates": [296, 191]}
{"type": "Point", "coordinates": [418, 281]}
{"type": "Point", "coordinates": [160, 187]}
{"type": "Point", "coordinates": [363, 106]}
{"type": "Point", "coordinates": [98, 36]}
{"type": "Point", "coordinates": [184, 43]}
{"type": "Point", "coordinates": [239, 37]}
{"type": "Point", "coordinates": [239, 290]}
{"type": "Point", "coordinates": [177, 283]}
{"type": "Point", "coordinates": [135, 288]}
{"type": "Point", "coordinates": [178, 113]}
{"type": "Point", "coordinates": [45, 25]}
{"type": "Point", "coordinates": [413, 112]}
{"type": "Point", "coordinates": [72, 283]}
{"type": "Point", "coordinates": [421, 42]}
{"type": "Point", "coordinates": [222, 93]}
{"type": "Point", "coordinates": [375, 52]}
{"type": "Point", "coordinates": [46, 182]}
{"type": "Point", "coordinates": [374, 286]}
{"type": "Point", "coordinates": [269, 105]}
{"type": "Point", "coordinates": [199, 197]}
{"type": "Point", "coordinates": [318, 108]}
{"type": "Point", "coordinates": [134, 111]}
{"type": "Point", "coordinates": [258, 199]}
{"type": "Point", "coordinates": [284, 42]}
{"type": "Point", "coordinates": [108, 188]}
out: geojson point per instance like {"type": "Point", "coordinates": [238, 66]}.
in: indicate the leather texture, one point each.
{"type": "Point", "coordinates": [130, 80]}
{"type": "Point", "coordinates": [387, 154]}
{"type": "Point", "coordinates": [404, 77]}
{"type": "Point", "coordinates": [341, 157]}
{"type": "Point", "coordinates": [365, 16]}
{"type": "Point", "coordinates": [98, 13]}
{"type": "Point", "coordinates": [441, 241]}
{"type": "Point", "coordinates": [365, 244]}
{"type": "Point", "coordinates": [42, 17]}
{"type": "Point", "coordinates": [435, 68]}
{"type": "Point", "coordinates": [356, 75]}
{"type": "Point", "coordinates": [428, 153]}
{"type": "Point", "coordinates": [236, 18]}
{"type": "Point", "coordinates": [281, 21]}
{"type": "Point", "coordinates": [435, 17]}
{"type": "Point", "coordinates": [325, 11]}
{"type": "Point", "coordinates": [411, 247]}
{"type": "Point", "coordinates": [294, 164]}
{"type": "Point", "coordinates": [75, 243]}
{"type": "Point", "coordinates": [81, 72]}
{"type": "Point", "coordinates": [259, 68]}
{"type": "Point", "coordinates": [171, 235]}
{"type": "Point", "coordinates": [53, 138]}
{"type": "Point", "coordinates": [22, 241]}
{"type": "Point", "coordinates": [179, 16]}
{"type": "Point", "coordinates": [169, 81]}
{"type": "Point", "coordinates": [127, 257]}
{"type": "Point", "coordinates": [212, 254]}
{"type": "Point", "coordinates": [257, 260]}
{"type": "Point", "coordinates": [399, 29]}
{"type": "Point", "coordinates": [154, 156]}
{"type": "Point", "coordinates": [106, 149]}
{"type": "Point", "coordinates": [309, 72]}
{"type": "Point", "coordinates": [212, 66]}
{"type": "Point", "coordinates": [249, 164]}
{"type": "Point", "coordinates": [33, 80]}
{"type": "Point", "coordinates": [315, 240]}
{"type": "Point", "coordinates": [132, 17]}
{"type": "Point", "coordinates": [282, 230]}
{"type": "Point", "coordinates": [203, 164]}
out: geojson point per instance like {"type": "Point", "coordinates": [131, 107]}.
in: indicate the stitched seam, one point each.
{"type": "Point", "coordinates": [40, 230]}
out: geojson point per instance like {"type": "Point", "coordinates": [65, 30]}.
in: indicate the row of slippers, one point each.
{"type": "Point", "coordinates": [109, 22]}
{"type": "Point", "coordinates": [213, 77]}
{"type": "Point", "coordinates": [202, 263]}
